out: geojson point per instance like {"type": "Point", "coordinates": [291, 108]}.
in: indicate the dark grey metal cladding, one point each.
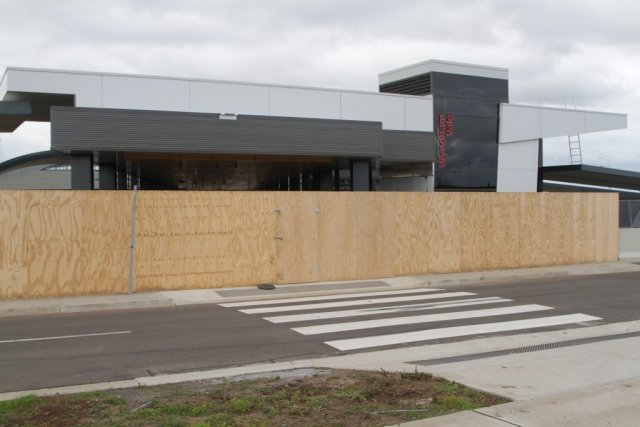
{"type": "Point", "coordinates": [416, 85]}
{"type": "Point", "coordinates": [97, 129]}
{"type": "Point", "coordinates": [13, 114]}
{"type": "Point", "coordinates": [408, 146]}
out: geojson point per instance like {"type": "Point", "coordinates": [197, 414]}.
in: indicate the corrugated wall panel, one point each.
{"type": "Point", "coordinates": [408, 146]}
{"type": "Point", "coordinates": [88, 129]}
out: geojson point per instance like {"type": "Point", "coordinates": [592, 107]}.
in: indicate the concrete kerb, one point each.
{"type": "Point", "coordinates": [212, 374]}
{"type": "Point", "coordinates": [210, 296]}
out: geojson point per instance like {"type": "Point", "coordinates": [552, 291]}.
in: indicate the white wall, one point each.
{"type": "Point", "coordinates": [523, 122]}
{"type": "Point", "coordinates": [210, 97]}
{"type": "Point", "coordinates": [518, 166]}
{"type": "Point", "coordinates": [396, 112]}
{"type": "Point", "coordinates": [3, 86]}
{"type": "Point", "coordinates": [630, 244]}
{"type": "Point", "coordinates": [144, 94]}
{"type": "Point", "coordinates": [287, 101]}
{"type": "Point", "coordinates": [521, 127]}
{"type": "Point", "coordinates": [86, 87]}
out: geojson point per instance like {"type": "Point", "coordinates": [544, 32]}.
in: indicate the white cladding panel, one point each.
{"type": "Point", "coordinates": [145, 93]}
{"type": "Point", "coordinates": [86, 87]}
{"type": "Point", "coordinates": [518, 155]}
{"type": "Point", "coordinates": [3, 86]}
{"type": "Point", "coordinates": [294, 102]}
{"type": "Point", "coordinates": [97, 90]}
{"type": "Point", "coordinates": [595, 122]}
{"type": "Point", "coordinates": [418, 114]}
{"type": "Point", "coordinates": [517, 181]}
{"type": "Point", "coordinates": [213, 97]}
{"type": "Point", "coordinates": [372, 107]}
{"type": "Point", "coordinates": [561, 122]}
{"type": "Point", "coordinates": [518, 122]}
{"type": "Point", "coordinates": [518, 166]}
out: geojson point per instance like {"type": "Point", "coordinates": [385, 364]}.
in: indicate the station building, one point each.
{"type": "Point", "coordinates": [432, 126]}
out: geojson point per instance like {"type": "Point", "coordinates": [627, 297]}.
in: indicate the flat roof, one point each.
{"type": "Point", "coordinates": [199, 79]}
{"type": "Point", "coordinates": [593, 175]}
{"type": "Point", "coordinates": [441, 66]}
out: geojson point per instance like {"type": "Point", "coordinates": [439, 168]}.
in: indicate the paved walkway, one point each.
{"type": "Point", "coordinates": [593, 380]}
{"type": "Point", "coordinates": [208, 296]}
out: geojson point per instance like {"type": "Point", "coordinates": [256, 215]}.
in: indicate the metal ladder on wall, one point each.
{"type": "Point", "coordinates": [575, 152]}
{"type": "Point", "coordinates": [574, 149]}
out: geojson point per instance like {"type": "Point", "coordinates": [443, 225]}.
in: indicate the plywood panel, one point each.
{"type": "Point", "coordinates": [443, 233]}
{"type": "Point", "coordinates": [533, 241]}
{"type": "Point", "coordinates": [375, 242]}
{"type": "Point", "coordinates": [424, 230]}
{"type": "Point", "coordinates": [297, 237]}
{"type": "Point", "coordinates": [502, 232]}
{"type": "Point", "coordinates": [62, 243]}
{"type": "Point", "coordinates": [13, 273]}
{"type": "Point", "coordinates": [555, 228]}
{"type": "Point", "coordinates": [583, 228]}
{"type": "Point", "coordinates": [58, 243]}
{"type": "Point", "coordinates": [106, 231]}
{"type": "Point", "coordinates": [475, 223]}
{"type": "Point", "coordinates": [204, 240]}
{"type": "Point", "coordinates": [412, 234]}
{"type": "Point", "coordinates": [254, 230]}
{"type": "Point", "coordinates": [354, 236]}
{"type": "Point", "coordinates": [338, 235]}
{"type": "Point", "coordinates": [607, 245]}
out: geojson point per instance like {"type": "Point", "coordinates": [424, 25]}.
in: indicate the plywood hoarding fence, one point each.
{"type": "Point", "coordinates": [59, 243]}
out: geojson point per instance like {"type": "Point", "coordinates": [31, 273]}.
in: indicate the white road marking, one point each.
{"type": "Point", "coordinates": [412, 320]}
{"type": "Point", "coordinates": [327, 297]}
{"type": "Point", "coordinates": [457, 331]}
{"type": "Point", "coordinates": [383, 310]}
{"type": "Point", "coordinates": [62, 337]}
{"type": "Point", "coordinates": [353, 303]}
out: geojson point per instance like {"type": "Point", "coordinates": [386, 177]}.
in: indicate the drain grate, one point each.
{"type": "Point", "coordinates": [527, 349]}
{"type": "Point", "coordinates": [291, 289]}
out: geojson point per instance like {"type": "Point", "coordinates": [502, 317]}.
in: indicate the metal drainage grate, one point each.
{"type": "Point", "coordinates": [527, 349]}
{"type": "Point", "coordinates": [291, 289]}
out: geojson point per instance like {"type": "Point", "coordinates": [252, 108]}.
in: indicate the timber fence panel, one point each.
{"type": "Point", "coordinates": [194, 240]}
{"type": "Point", "coordinates": [64, 243]}
{"type": "Point", "coordinates": [297, 248]}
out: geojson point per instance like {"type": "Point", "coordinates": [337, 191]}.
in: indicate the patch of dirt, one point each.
{"type": "Point", "coordinates": [330, 398]}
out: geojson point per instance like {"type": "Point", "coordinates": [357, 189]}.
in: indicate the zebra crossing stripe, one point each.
{"type": "Point", "coordinates": [412, 320]}
{"type": "Point", "coordinates": [328, 297]}
{"type": "Point", "coordinates": [288, 318]}
{"type": "Point", "coordinates": [354, 303]}
{"type": "Point", "coordinates": [457, 331]}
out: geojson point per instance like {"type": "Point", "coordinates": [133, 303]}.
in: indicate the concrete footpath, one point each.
{"type": "Point", "coordinates": [211, 296]}
{"type": "Point", "coordinates": [588, 376]}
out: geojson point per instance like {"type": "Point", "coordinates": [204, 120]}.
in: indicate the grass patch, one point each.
{"type": "Point", "coordinates": [338, 398]}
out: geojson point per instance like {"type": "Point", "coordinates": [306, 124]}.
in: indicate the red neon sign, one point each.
{"type": "Point", "coordinates": [445, 129]}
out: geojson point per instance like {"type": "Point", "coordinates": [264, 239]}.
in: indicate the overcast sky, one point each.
{"type": "Point", "coordinates": [556, 50]}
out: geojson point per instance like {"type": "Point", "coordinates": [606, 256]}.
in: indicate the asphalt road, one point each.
{"type": "Point", "coordinates": [67, 349]}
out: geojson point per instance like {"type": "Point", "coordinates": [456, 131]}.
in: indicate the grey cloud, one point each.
{"type": "Point", "coordinates": [555, 50]}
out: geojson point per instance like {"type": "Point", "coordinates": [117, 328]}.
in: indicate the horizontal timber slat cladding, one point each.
{"type": "Point", "coordinates": [64, 243]}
